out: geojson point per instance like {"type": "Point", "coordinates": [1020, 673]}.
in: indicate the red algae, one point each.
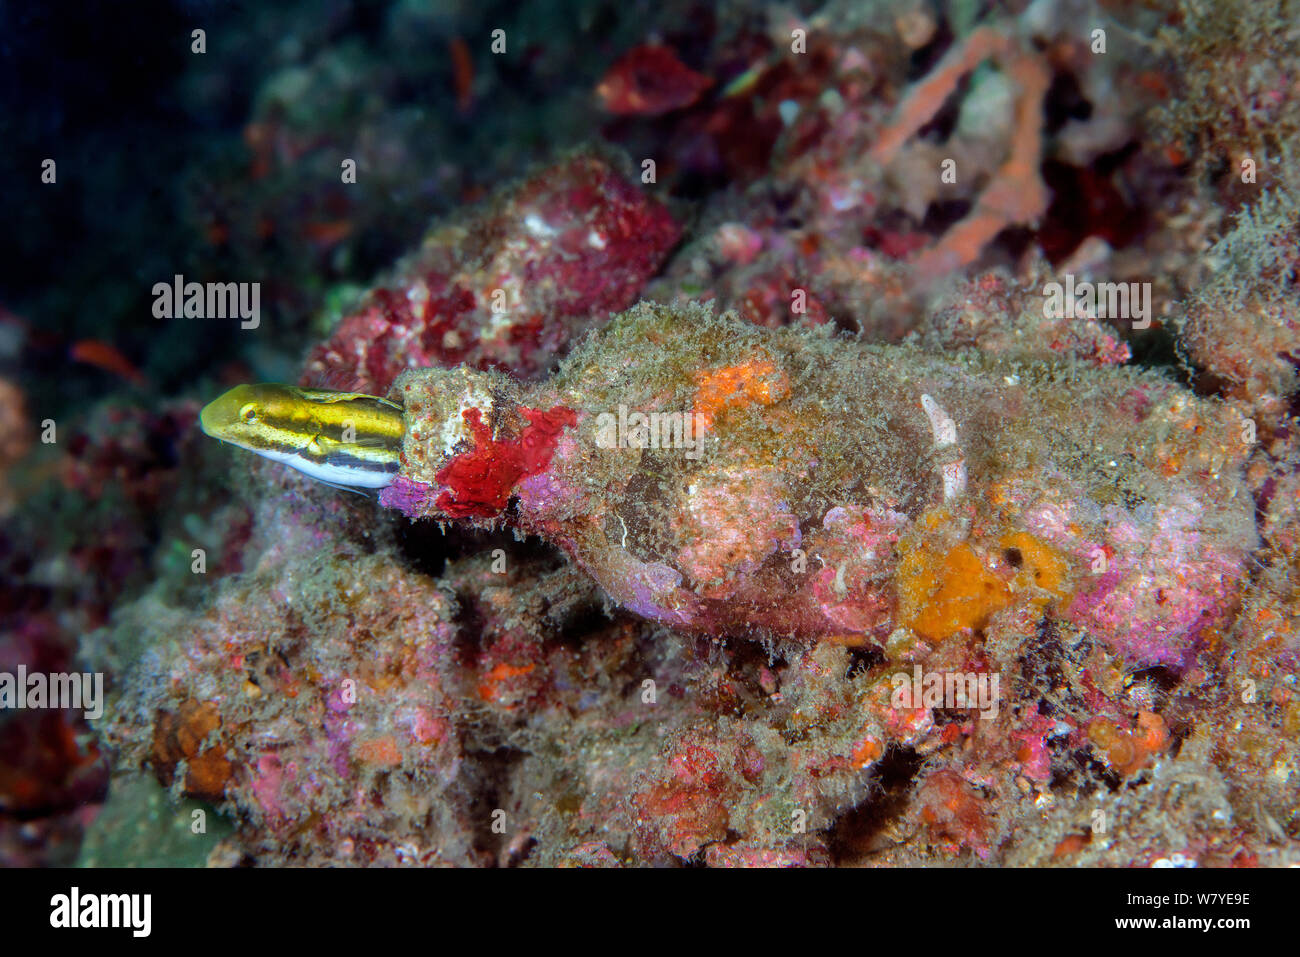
{"type": "Point", "coordinates": [479, 482]}
{"type": "Point", "coordinates": [509, 284]}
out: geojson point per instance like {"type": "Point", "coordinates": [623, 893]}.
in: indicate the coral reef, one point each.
{"type": "Point", "coordinates": [768, 495]}
{"type": "Point", "coordinates": [1098, 593]}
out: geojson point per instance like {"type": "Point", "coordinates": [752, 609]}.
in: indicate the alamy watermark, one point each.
{"type": "Point", "coordinates": [651, 430]}
{"type": "Point", "coordinates": [1098, 300]}
{"type": "Point", "coordinates": [946, 689]}
{"type": "Point", "coordinates": [77, 910]}
{"type": "Point", "coordinates": [208, 300]}
{"type": "Point", "coordinates": [76, 691]}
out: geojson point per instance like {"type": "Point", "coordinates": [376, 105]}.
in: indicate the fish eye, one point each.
{"type": "Point", "coordinates": [249, 413]}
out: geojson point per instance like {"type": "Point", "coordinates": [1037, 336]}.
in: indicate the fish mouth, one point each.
{"type": "Point", "coordinates": [207, 420]}
{"type": "Point", "coordinates": [219, 418]}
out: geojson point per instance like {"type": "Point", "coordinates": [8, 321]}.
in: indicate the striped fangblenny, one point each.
{"type": "Point", "coordinates": [340, 438]}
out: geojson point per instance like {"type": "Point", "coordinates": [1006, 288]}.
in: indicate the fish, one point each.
{"type": "Point", "coordinates": [462, 74]}
{"type": "Point", "coordinates": [328, 232]}
{"type": "Point", "coordinates": [344, 439]}
{"type": "Point", "coordinates": [107, 357]}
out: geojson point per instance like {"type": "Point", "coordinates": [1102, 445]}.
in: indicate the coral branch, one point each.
{"type": "Point", "coordinates": [927, 97]}
{"type": "Point", "coordinates": [1016, 194]}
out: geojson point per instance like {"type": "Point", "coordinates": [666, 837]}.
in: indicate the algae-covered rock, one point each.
{"type": "Point", "coordinates": [732, 479]}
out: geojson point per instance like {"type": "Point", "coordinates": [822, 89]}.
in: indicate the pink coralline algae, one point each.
{"type": "Point", "coordinates": [692, 807]}
{"type": "Point", "coordinates": [509, 286]}
{"type": "Point", "coordinates": [1166, 583]}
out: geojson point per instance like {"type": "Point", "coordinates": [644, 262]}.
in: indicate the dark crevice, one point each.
{"type": "Point", "coordinates": [858, 831]}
